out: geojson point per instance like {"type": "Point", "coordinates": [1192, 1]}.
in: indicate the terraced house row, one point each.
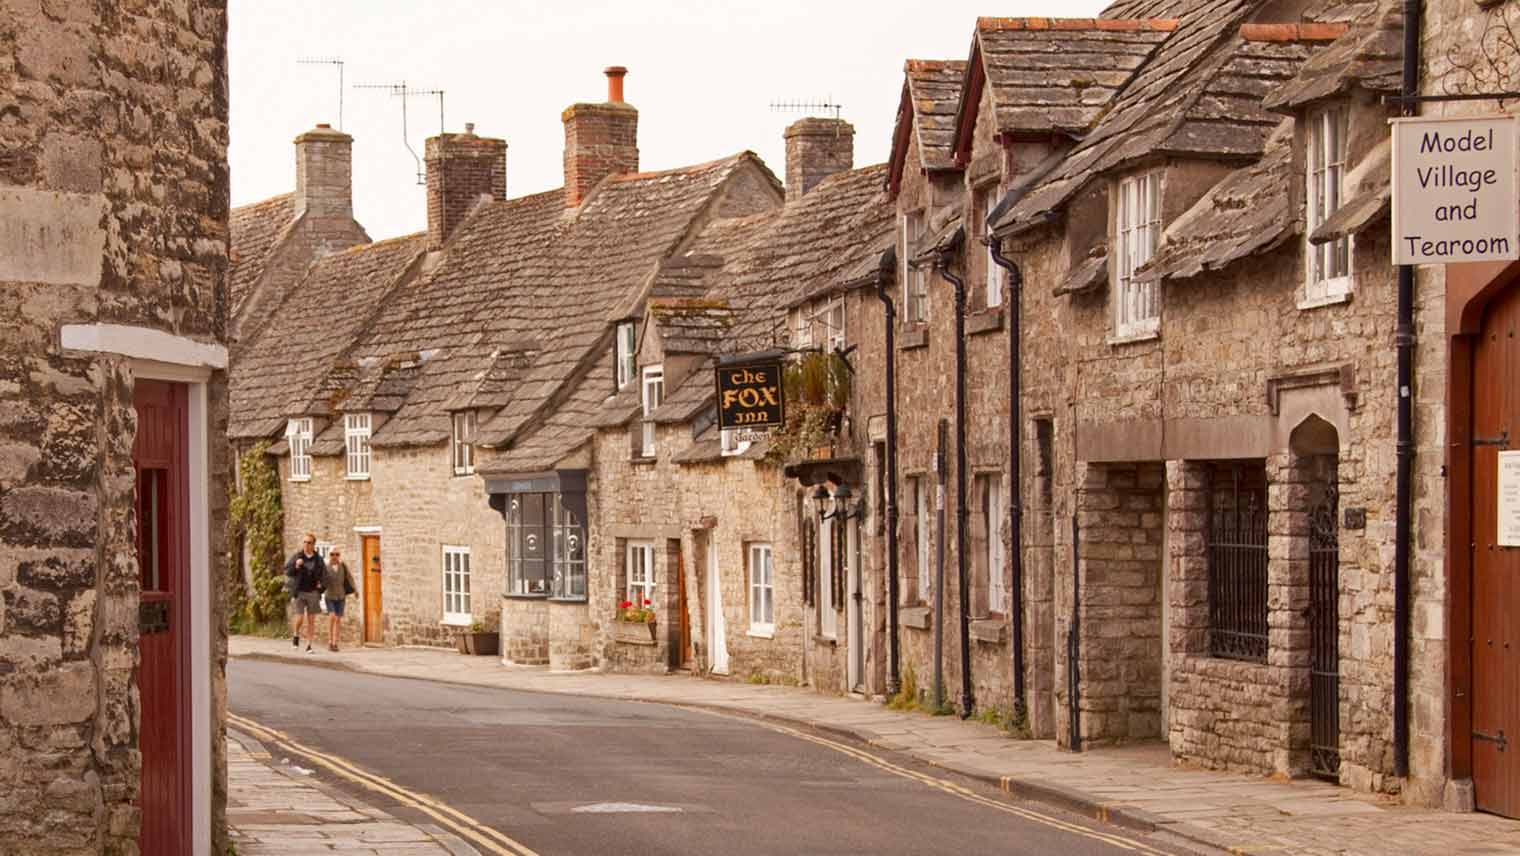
{"type": "Point", "coordinates": [1107, 411]}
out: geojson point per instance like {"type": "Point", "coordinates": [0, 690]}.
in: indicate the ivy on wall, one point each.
{"type": "Point", "coordinates": [256, 519]}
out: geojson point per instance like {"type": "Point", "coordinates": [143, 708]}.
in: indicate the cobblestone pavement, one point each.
{"type": "Point", "coordinates": [1134, 785]}
{"type": "Point", "coordinates": [272, 809]}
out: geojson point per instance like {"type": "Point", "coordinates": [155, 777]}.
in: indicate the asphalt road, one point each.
{"type": "Point", "coordinates": [566, 774]}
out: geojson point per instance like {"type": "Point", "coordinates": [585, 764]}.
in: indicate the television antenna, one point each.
{"type": "Point", "coordinates": [329, 60]}
{"type": "Point", "coordinates": [400, 89]}
{"type": "Point", "coordinates": [816, 106]}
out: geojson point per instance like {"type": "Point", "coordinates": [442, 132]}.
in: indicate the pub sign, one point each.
{"type": "Point", "coordinates": [750, 394]}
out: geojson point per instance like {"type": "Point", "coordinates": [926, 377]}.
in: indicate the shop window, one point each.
{"type": "Point", "coordinates": [546, 547]}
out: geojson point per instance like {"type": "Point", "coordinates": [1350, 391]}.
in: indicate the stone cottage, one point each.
{"type": "Point", "coordinates": [113, 258]}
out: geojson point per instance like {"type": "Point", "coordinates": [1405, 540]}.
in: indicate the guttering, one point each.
{"type": "Point", "coordinates": [889, 310]}
{"type": "Point", "coordinates": [1404, 343]}
{"type": "Point", "coordinates": [942, 264]}
{"type": "Point", "coordinates": [1013, 305]}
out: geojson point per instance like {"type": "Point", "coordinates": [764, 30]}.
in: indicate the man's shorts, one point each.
{"type": "Point", "coordinates": [307, 603]}
{"type": "Point", "coordinates": [335, 606]}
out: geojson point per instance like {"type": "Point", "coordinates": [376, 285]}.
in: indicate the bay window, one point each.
{"type": "Point", "coordinates": [546, 545]}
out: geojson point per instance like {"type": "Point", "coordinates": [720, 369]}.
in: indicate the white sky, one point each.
{"type": "Point", "coordinates": [702, 74]}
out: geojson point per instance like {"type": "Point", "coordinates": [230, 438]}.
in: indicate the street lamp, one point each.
{"type": "Point", "coordinates": [841, 504]}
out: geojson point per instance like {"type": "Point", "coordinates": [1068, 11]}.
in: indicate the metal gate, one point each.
{"type": "Point", "coordinates": [1324, 634]}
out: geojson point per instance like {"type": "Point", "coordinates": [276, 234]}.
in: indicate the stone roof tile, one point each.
{"type": "Point", "coordinates": [1369, 55]}
{"type": "Point", "coordinates": [255, 230]}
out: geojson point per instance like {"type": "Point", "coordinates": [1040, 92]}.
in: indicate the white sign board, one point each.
{"type": "Point", "coordinates": [1454, 190]}
{"type": "Point", "coordinates": [1509, 499]}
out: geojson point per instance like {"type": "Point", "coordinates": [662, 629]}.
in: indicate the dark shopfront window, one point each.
{"type": "Point", "coordinates": [546, 547]}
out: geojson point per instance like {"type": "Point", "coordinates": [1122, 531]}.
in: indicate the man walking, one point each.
{"type": "Point", "coordinates": [303, 574]}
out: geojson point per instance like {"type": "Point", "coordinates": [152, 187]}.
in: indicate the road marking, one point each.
{"type": "Point", "coordinates": [945, 785]}
{"type": "Point", "coordinates": [494, 842]}
{"type": "Point", "coordinates": [624, 808]}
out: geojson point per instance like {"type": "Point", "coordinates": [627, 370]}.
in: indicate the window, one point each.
{"type": "Point", "coordinates": [1137, 228]}
{"type": "Point", "coordinates": [1328, 264]}
{"type": "Point", "coordinates": [803, 336]}
{"type": "Point", "coordinates": [984, 203]}
{"type": "Point", "coordinates": [921, 512]}
{"type": "Point", "coordinates": [1236, 543]}
{"type": "Point", "coordinates": [990, 492]}
{"type": "Point", "coordinates": [356, 439]}
{"type": "Point", "coordinates": [915, 281]}
{"type": "Point", "coordinates": [654, 393]}
{"type": "Point", "coordinates": [833, 323]}
{"type": "Point", "coordinates": [546, 547]}
{"type": "Point", "coordinates": [762, 595]}
{"type": "Point", "coordinates": [323, 548]}
{"type": "Point", "coordinates": [464, 442]}
{"type": "Point", "coordinates": [627, 355]}
{"type": "Point", "coordinates": [456, 585]}
{"type": "Point", "coordinates": [828, 559]}
{"type": "Point", "coordinates": [298, 435]}
{"type": "Point", "coordinates": [641, 573]}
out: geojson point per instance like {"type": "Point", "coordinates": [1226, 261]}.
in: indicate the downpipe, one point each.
{"type": "Point", "coordinates": [889, 309]}
{"type": "Point", "coordinates": [1013, 305]}
{"type": "Point", "coordinates": [961, 513]}
{"type": "Point", "coordinates": [1404, 342]}
{"type": "Point", "coordinates": [939, 568]}
{"type": "Point", "coordinates": [1074, 641]}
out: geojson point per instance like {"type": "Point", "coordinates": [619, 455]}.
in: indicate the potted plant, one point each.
{"type": "Point", "coordinates": [634, 623]}
{"type": "Point", "coordinates": [478, 640]}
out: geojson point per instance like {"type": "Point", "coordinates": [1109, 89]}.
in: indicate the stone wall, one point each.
{"type": "Point", "coordinates": [115, 143]}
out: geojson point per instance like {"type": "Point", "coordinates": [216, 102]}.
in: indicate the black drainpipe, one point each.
{"type": "Point", "coordinates": [1074, 639]}
{"type": "Point", "coordinates": [1013, 305]}
{"type": "Point", "coordinates": [961, 514]}
{"type": "Point", "coordinates": [1404, 342]}
{"type": "Point", "coordinates": [888, 263]}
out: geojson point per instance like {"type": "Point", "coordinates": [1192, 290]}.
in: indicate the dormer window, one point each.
{"type": "Point", "coordinates": [653, 394]}
{"type": "Point", "coordinates": [356, 429]}
{"type": "Point", "coordinates": [983, 206]}
{"type": "Point", "coordinates": [298, 436]}
{"type": "Point", "coordinates": [627, 353]}
{"type": "Point", "coordinates": [915, 281]}
{"type": "Point", "coordinates": [1328, 265]}
{"type": "Point", "coordinates": [1137, 229]}
{"type": "Point", "coordinates": [464, 442]}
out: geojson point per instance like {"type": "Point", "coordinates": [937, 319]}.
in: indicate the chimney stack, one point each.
{"type": "Point", "coordinates": [324, 173]}
{"type": "Point", "coordinates": [600, 139]}
{"type": "Point", "coordinates": [462, 170]}
{"type": "Point", "coordinates": [816, 149]}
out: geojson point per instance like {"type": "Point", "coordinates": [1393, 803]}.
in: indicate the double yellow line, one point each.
{"type": "Point", "coordinates": [484, 837]}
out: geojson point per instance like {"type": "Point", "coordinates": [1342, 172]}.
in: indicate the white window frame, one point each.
{"type": "Point", "coordinates": [298, 436]}
{"type": "Point", "coordinates": [984, 202]}
{"type": "Point", "coordinates": [1327, 266]}
{"type": "Point", "coordinates": [456, 586]}
{"type": "Point", "coordinates": [832, 313]}
{"type": "Point", "coordinates": [356, 431]}
{"type": "Point", "coordinates": [627, 353]}
{"type": "Point", "coordinates": [915, 281]}
{"type": "Point", "coordinates": [652, 394]}
{"type": "Point", "coordinates": [462, 436]}
{"type": "Point", "coordinates": [761, 565]}
{"type": "Point", "coordinates": [1137, 231]}
{"type": "Point", "coordinates": [922, 508]}
{"type": "Point", "coordinates": [828, 618]}
{"type": "Point", "coordinates": [802, 336]}
{"type": "Point", "coordinates": [992, 520]}
{"type": "Point", "coordinates": [640, 587]}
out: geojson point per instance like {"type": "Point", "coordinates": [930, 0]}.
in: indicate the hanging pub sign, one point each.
{"type": "Point", "coordinates": [749, 391]}
{"type": "Point", "coordinates": [1454, 190]}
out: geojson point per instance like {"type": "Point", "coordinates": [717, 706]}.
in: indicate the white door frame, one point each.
{"type": "Point", "coordinates": [717, 635]}
{"type": "Point", "coordinates": [855, 668]}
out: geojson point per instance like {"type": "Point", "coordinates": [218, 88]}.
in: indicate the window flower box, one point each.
{"type": "Point", "coordinates": [477, 643]}
{"type": "Point", "coordinates": [634, 633]}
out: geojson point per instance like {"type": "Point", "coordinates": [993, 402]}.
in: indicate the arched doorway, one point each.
{"type": "Point", "coordinates": [1315, 445]}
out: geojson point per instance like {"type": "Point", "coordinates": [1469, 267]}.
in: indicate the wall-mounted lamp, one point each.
{"type": "Point", "coordinates": [841, 504]}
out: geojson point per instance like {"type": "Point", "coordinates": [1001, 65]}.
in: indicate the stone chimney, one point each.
{"type": "Point", "coordinates": [600, 139]}
{"type": "Point", "coordinates": [816, 149]}
{"type": "Point", "coordinates": [462, 170]}
{"type": "Point", "coordinates": [324, 173]}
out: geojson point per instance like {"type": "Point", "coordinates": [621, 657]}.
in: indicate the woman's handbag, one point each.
{"type": "Point", "coordinates": [348, 582]}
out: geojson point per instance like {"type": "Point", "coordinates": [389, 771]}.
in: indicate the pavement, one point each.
{"type": "Point", "coordinates": [1137, 787]}
{"type": "Point", "coordinates": [275, 808]}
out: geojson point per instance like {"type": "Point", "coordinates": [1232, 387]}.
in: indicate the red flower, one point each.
{"type": "Point", "coordinates": [646, 601]}
{"type": "Point", "coordinates": [625, 604]}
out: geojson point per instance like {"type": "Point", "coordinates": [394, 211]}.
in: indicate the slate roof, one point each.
{"type": "Point", "coordinates": [1200, 96]}
{"type": "Point", "coordinates": [1369, 55]}
{"type": "Point", "coordinates": [1053, 75]}
{"type": "Point", "coordinates": [281, 373]}
{"type": "Point", "coordinates": [256, 230]}
{"type": "Point", "coordinates": [931, 94]}
{"type": "Point", "coordinates": [1248, 212]}
{"type": "Point", "coordinates": [1151, 8]}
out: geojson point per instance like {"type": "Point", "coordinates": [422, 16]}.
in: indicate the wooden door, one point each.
{"type": "Point", "coordinates": [1495, 595]}
{"type": "Point", "coordinates": [374, 630]}
{"type": "Point", "coordinates": [683, 626]}
{"type": "Point", "coordinates": [160, 457]}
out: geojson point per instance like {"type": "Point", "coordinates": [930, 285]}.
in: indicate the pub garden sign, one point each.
{"type": "Point", "coordinates": [749, 392]}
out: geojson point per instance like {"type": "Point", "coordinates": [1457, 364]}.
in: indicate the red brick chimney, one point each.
{"type": "Point", "coordinates": [600, 139]}
{"type": "Point", "coordinates": [324, 173]}
{"type": "Point", "coordinates": [816, 149]}
{"type": "Point", "coordinates": [462, 170]}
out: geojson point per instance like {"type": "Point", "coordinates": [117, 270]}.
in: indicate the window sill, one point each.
{"type": "Point", "coordinates": [761, 633]}
{"type": "Point", "coordinates": [913, 336]}
{"type": "Point", "coordinates": [458, 474]}
{"type": "Point", "coordinates": [988, 629]}
{"type": "Point", "coordinates": [1328, 300]}
{"type": "Point", "coordinates": [580, 599]}
{"type": "Point", "coordinates": [525, 596]}
{"type": "Point", "coordinates": [300, 478]}
{"type": "Point", "coordinates": [916, 617]}
{"type": "Point", "coordinates": [986, 321]}
{"type": "Point", "coordinates": [831, 641]}
{"type": "Point", "coordinates": [643, 460]}
{"type": "Point", "coordinates": [356, 478]}
{"type": "Point", "coordinates": [464, 621]}
{"type": "Point", "coordinates": [1135, 337]}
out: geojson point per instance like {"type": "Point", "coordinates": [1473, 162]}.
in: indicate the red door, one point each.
{"type": "Point", "coordinates": [1495, 597]}
{"type": "Point", "coordinates": [160, 457]}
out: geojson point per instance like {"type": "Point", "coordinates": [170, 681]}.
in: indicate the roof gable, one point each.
{"type": "Point", "coordinates": [255, 231]}
{"type": "Point", "coordinates": [926, 116]}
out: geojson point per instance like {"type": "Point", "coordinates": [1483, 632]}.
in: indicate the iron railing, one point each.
{"type": "Point", "coordinates": [1237, 561]}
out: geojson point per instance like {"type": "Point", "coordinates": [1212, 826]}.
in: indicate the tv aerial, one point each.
{"type": "Point", "coordinates": [333, 61]}
{"type": "Point", "coordinates": [401, 90]}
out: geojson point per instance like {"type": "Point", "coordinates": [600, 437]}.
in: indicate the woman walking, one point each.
{"type": "Point", "coordinates": [337, 585]}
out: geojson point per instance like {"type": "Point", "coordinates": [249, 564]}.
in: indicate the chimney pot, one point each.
{"type": "Point", "coordinates": [469, 128]}
{"type": "Point", "coordinates": [615, 74]}
{"type": "Point", "coordinates": [323, 125]}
